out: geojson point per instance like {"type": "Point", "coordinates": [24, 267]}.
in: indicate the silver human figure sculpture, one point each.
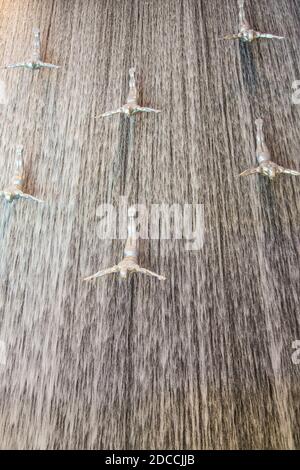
{"type": "Point", "coordinates": [129, 264]}
{"type": "Point", "coordinates": [15, 190]}
{"type": "Point", "coordinates": [131, 106]}
{"type": "Point", "coordinates": [36, 63]}
{"type": "Point", "coordinates": [265, 166]}
{"type": "Point", "coordinates": [247, 34]}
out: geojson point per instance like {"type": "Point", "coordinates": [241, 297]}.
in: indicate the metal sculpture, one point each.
{"type": "Point", "coordinates": [129, 263]}
{"type": "Point", "coordinates": [246, 33]}
{"type": "Point", "coordinates": [36, 63]}
{"type": "Point", "coordinates": [15, 190]}
{"type": "Point", "coordinates": [131, 107]}
{"type": "Point", "coordinates": [265, 166]}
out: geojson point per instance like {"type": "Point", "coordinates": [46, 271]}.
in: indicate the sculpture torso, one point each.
{"type": "Point", "coordinates": [128, 265]}
{"type": "Point", "coordinates": [33, 65]}
{"type": "Point", "coordinates": [247, 34]}
{"type": "Point", "coordinates": [129, 109]}
{"type": "Point", "coordinates": [270, 169]}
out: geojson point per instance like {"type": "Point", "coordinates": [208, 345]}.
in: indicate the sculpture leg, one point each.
{"type": "Point", "coordinates": [133, 93]}
{"type": "Point", "coordinates": [37, 45]}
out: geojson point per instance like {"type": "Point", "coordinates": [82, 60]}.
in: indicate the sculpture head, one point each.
{"type": "Point", "coordinates": [123, 273]}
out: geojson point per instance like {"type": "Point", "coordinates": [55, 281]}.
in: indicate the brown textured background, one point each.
{"type": "Point", "coordinates": [204, 360]}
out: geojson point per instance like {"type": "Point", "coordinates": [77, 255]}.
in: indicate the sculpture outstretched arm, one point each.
{"type": "Point", "coordinates": [15, 66]}
{"type": "Point", "coordinates": [269, 36]}
{"type": "Point", "coordinates": [150, 273]}
{"type": "Point", "coordinates": [140, 109]}
{"type": "Point", "coordinates": [48, 66]}
{"type": "Point", "coordinates": [110, 113]}
{"type": "Point", "coordinates": [230, 37]}
{"type": "Point", "coordinates": [104, 272]}
{"type": "Point", "coordinates": [29, 197]}
{"type": "Point", "coordinates": [290, 172]}
{"type": "Point", "coordinates": [252, 171]}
